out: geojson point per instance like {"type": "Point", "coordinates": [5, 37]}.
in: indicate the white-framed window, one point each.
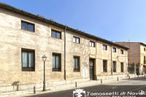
{"type": "Point", "coordinates": [114, 49]}
{"type": "Point", "coordinates": [92, 44]}
{"type": "Point", "coordinates": [104, 47]}
{"type": "Point", "coordinates": [122, 51]}
{"type": "Point", "coordinates": [76, 39]}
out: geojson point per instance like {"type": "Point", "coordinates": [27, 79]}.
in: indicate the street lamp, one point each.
{"type": "Point", "coordinates": [44, 58]}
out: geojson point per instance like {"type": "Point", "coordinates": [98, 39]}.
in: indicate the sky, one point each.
{"type": "Point", "coordinates": [114, 20]}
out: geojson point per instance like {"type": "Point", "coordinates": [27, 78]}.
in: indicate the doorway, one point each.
{"type": "Point", "coordinates": [92, 69]}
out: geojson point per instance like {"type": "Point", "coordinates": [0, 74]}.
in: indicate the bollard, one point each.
{"type": "Point", "coordinates": [101, 81]}
{"type": "Point", "coordinates": [138, 75]}
{"type": "Point", "coordinates": [76, 85]}
{"type": "Point", "coordinates": [129, 77]}
{"type": "Point", "coordinates": [17, 87]}
{"type": "Point", "coordinates": [117, 78]}
{"type": "Point", "coordinates": [34, 90]}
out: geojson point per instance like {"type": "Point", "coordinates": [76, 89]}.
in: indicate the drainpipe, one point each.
{"type": "Point", "coordinates": [111, 60]}
{"type": "Point", "coordinates": [65, 53]}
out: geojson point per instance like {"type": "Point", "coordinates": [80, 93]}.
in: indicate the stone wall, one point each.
{"type": "Point", "coordinates": [13, 39]}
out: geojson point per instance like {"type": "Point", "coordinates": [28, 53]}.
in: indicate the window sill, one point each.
{"type": "Point", "coordinates": [76, 70]}
{"type": "Point", "coordinates": [92, 47]}
{"type": "Point", "coordinates": [54, 70]}
{"type": "Point", "coordinates": [104, 72]}
{"type": "Point", "coordinates": [76, 43]}
{"type": "Point", "coordinates": [56, 38]}
{"type": "Point", "coordinates": [28, 69]}
{"type": "Point", "coordinates": [28, 31]}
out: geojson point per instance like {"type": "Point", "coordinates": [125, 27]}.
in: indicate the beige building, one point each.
{"type": "Point", "coordinates": [136, 56]}
{"type": "Point", "coordinates": [71, 54]}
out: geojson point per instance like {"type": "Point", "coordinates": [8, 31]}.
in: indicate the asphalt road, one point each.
{"type": "Point", "coordinates": [135, 87]}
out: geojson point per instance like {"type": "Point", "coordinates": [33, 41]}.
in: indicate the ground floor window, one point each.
{"type": "Point", "coordinates": [122, 67]}
{"type": "Point", "coordinates": [114, 66]}
{"type": "Point", "coordinates": [56, 62]}
{"type": "Point", "coordinates": [76, 63]}
{"type": "Point", "coordinates": [104, 65]}
{"type": "Point", "coordinates": [28, 60]}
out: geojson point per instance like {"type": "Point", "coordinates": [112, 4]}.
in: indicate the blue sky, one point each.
{"type": "Point", "coordinates": [115, 20]}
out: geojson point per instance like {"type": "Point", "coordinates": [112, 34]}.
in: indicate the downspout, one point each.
{"type": "Point", "coordinates": [95, 70]}
{"type": "Point", "coordinates": [65, 53]}
{"type": "Point", "coordinates": [111, 60]}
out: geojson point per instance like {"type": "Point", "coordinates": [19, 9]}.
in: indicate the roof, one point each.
{"type": "Point", "coordinates": [141, 43]}
{"type": "Point", "coordinates": [48, 21]}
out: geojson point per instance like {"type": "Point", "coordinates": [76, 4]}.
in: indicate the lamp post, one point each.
{"type": "Point", "coordinates": [44, 58]}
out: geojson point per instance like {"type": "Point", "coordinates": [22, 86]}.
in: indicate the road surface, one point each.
{"type": "Point", "coordinates": [135, 87]}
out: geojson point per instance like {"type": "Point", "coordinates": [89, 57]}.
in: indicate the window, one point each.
{"type": "Point", "coordinates": [28, 60]}
{"type": "Point", "coordinates": [144, 59]}
{"type": "Point", "coordinates": [92, 44]}
{"type": "Point", "coordinates": [114, 66]}
{"type": "Point", "coordinates": [27, 26]}
{"type": "Point", "coordinates": [76, 39]}
{"type": "Point", "coordinates": [56, 62]}
{"type": "Point", "coordinates": [114, 50]}
{"type": "Point", "coordinates": [144, 49]}
{"type": "Point", "coordinates": [122, 51]}
{"type": "Point", "coordinates": [104, 47]}
{"type": "Point", "coordinates": [104, 65]}
{"type": "Point", "coordinates": [76, 63]}
{"type": "Point", "coordinates": [56, 34]}
{"type": "Point", "coordinates": [122, 67]}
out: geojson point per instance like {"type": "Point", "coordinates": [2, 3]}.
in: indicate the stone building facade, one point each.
{"type": "Point", "coordinates": [71, 54]}
{"type": "Point", "coordinates": [136, 56]}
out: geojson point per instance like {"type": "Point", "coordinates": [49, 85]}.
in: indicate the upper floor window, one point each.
{"type": "Point", "coordinates": [92, 44]}
{"type": "Point", "coordinates": [76, 39]}
{"type": "Point", "coordinates": [104, 47]}
{"type": "Point", "coordinates": [56, 34]}
{"type": "Point", "coordinates": [28, 59]}
{"type": "Point", "coordinates": [27, 26]}
{"type": "Point", "coordinates": [122, 51]}
{"type": "Point", "coordinates": [76, 63]}
{"type": "Point", "coordinates": [114, 49]}
{"type": "Point", "coordinates": [56, 62]}
{"type": "Point", "coordinates": [144, 49]}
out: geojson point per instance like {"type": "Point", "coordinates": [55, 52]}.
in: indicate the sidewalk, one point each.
{"type": "Point", "coordinates": [51, 89]}
{"type": "Point", "coordinates": [64, 86]}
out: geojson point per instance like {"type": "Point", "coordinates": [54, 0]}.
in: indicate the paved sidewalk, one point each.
{"type": "Point", "coordinates": [53, 89]}
{"type": "Point", "coordinates": [64, 87]}
{"type": "Point", "coordinates": [130, 82]}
